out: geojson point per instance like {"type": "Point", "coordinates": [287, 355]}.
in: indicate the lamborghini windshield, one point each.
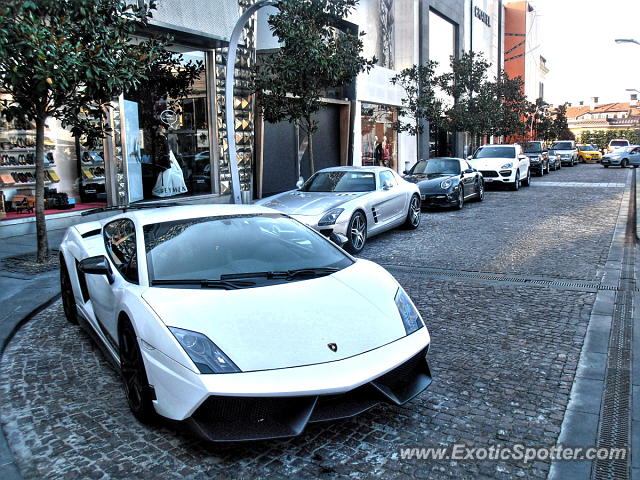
{"type": "Point", "coordinates": [205, 250]}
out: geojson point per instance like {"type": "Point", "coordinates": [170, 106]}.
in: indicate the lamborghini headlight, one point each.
{"type": "Point", "coordinates": [203, 352]}
{"type": "Point", "coordinates": [330, 217]}
{"type": "Point", "coordinates": [445, 184]}
{"type": "Point", "coordinates": [507, 165]}
{"type": "Point", "coordinates": [408, 312]}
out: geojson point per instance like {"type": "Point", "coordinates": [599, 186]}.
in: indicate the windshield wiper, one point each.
{"type": "Point", "coordinates": [223, 284]}
{"type": "Point", "coordinates": [283, 274]}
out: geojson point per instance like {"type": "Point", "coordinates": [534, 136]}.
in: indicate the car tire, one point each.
{"type": "Point", "coordinates": [66, 292]}
{"type": "Point", "coordinates": [605, 166]}
{"type": "Point", "coordinates": [413, 215]}
{"type": "Point", "coordinates": [527, 181]}
{"type": "Point", "coordinates": [134, 375]}
{"type": "Point", "coordinates": [548, 168]}
{"type": "Point", "coordinates": [480, 194]}
{"type": "Point", "coordinates": [515, 186]}
{"type": "Point", "coordinates": [460, 202]}
{"type": "Point", "coordinates": [625, 163]}
{"type": "Point", "coordinates": [356, 233]}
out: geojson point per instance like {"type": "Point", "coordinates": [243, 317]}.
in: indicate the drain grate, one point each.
{"type": "Point", "coordinates": [583, 285]}
{"type": "Point", "coordinates": [614, 428]}
{"type": "Point", "coordinates": [614, 425]}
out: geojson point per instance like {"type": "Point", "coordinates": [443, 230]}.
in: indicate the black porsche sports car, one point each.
{"type": "Point", "coordinates": [446, 182]}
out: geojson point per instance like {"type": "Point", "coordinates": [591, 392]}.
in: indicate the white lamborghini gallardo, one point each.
{"type": "Point", "coordinates": [239, 322]}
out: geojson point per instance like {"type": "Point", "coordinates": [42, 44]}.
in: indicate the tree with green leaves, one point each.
{"type": "Point", "coordinates": [472, 95]}
{"type": "Point", "coordinates": [512, 106]}
{"type": "Point", "coordinates": [315, 55]}
{"type": "Point", "coordinates": [67, 59]}
{"type": "Point", "coordinates": [560, 125]}
{"type": "Point", "coordinates": [421, 101]}
{"type": "Point", "coordinates": [483, 107]}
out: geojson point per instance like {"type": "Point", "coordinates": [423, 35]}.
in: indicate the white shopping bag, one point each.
{"type": "Point", "coordinates": [171, 181]}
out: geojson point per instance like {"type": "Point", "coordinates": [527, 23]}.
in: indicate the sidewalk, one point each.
{"type": "Point", "coordinates": [22, 294]}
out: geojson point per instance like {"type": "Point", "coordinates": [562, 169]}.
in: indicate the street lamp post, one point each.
{"type": "Point", "coordinates": [228, 96]}
{"type": "Point", "coordinates": [627, 40]}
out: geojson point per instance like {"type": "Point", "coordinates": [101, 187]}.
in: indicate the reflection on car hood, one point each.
{"type": "Point", "coordinates": [563, 152]}
{"type": "Point", "coordinates": [489, 163]}
{"type": "Point", "coordinates": [429, 182]}
{"type": "Point", "coordinates": [296, 202]}
{"type": "Point", "coordinates": [290, 324]}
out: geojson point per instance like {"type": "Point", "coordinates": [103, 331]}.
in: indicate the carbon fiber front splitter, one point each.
{"type": "Point", "coordinates": [234, 419]}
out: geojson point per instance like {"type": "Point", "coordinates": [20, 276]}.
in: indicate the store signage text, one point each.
{"type": "Point", "coordinates": [483, 16]}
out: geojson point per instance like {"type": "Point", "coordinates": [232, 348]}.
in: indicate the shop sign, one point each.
{"type": "Point", "coordinates": [482, 16]}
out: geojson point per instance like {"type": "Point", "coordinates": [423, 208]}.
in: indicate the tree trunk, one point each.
{"type": "Point", "coordinates": [311, 164]}
{"type": "Point", "coordinates": [41, 225]}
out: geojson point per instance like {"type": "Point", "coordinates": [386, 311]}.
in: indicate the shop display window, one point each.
{"type": "Point", "coordinates": [379, 138]}
{"type": "Point", "coordinates": [174, 131]}
{"type": "Point", "coordinates": [17, 170]}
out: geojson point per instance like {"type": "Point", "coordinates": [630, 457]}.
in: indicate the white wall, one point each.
{"type": "Point", "coordinates": [375, 86]}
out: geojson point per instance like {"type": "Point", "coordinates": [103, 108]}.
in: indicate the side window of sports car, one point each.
{"type": "Point", "coordinates": [387, 177]}
{"type": "Point", "coordinates": [120, 243]}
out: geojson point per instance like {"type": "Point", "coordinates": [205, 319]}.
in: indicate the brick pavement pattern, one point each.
{"type": "Point", "coordinates": [503, 359]}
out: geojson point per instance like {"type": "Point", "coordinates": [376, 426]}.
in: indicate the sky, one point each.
{"type": "Point", "coordinates": [577, 39]}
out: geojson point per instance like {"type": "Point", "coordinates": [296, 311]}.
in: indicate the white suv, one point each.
{"type": "Point", "coordinates": [617, 143]}
{"type": "Point", "coordinates": [502, 164]}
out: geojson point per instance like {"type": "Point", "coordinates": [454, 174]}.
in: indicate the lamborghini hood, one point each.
{"type": "Point", "coordinates": [290, 324]}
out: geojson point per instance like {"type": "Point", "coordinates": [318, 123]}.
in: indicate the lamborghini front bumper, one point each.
{"type": "Point", "coordinates": [280, 403]}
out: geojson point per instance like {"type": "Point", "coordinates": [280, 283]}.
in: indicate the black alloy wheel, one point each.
{"type": "Point", "coordinates": [460, 202]}
{"type": "Point", "coordinates": [66, 291]}
{"type": "Point", "coordinates": [134, 376]}
{"type": "Point", "coordinates": [480, 191]}
{"type": "Point", "coordinates": [413, 215]}
{"type": "Point", "coordinates": [356, 233]}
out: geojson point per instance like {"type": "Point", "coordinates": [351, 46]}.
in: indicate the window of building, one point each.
{"type": "Point", "coordinates": [379, 139]}
{"type": "Point", "coordinates": [74, 174]}
{"type": "Point", "coordinates": [173, 123]}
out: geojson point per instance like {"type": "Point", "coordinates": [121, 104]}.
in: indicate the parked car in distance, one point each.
{"type": "Point", "coordinates": [238, 322]}
{"type": "Point", "coordinates": [505, 164]}
{"type": "Point", "coordinates": [566, 151]}
{"type": "Point", "coordinates": [446, 182]}
{"type": "Point", "coordinates": [588, 154]}
{"type": "Point", "coordinates": [538, 156]}
{"type": "Point", "coordinates": [353, 202]}
{"type": "Point", "coordinates": [624, 157]}
{"type": "Point", "coordinates": [554, 161]}
{"type": "Point", "coordinates": [617, 143]}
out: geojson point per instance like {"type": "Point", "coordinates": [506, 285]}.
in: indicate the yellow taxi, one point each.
{"type": "Point", "coordinates": [588, 154]}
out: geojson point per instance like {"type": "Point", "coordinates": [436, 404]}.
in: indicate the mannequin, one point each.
{"type": "Point", "coordinates": [378, 151]}
{"type": "Point", "coordinates": [386, 152]}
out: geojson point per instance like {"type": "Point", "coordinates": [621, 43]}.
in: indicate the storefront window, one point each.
{"type": "Point", "coordinates": [379, 139]}
{"type": "Point", "coordinates": [174, 127]}
{"type": "Point", "coordinates": [69, 183]}
{"type": "Point", "coordinates": [442, 46]}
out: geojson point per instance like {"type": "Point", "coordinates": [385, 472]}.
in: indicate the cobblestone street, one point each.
{"type": "Point", "coordinates": [504, 355]}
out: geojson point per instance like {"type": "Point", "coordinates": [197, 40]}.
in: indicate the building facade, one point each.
{"type": "Point", "coordinates": [162, 147]}
{"type": "Point", "coordinates": [596, 117]}
{"type": "Point", "coordinates": [522, 49]}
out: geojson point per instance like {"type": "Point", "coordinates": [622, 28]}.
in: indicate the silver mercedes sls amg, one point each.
{"type": "Point", "coordinates": [352, 203]}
